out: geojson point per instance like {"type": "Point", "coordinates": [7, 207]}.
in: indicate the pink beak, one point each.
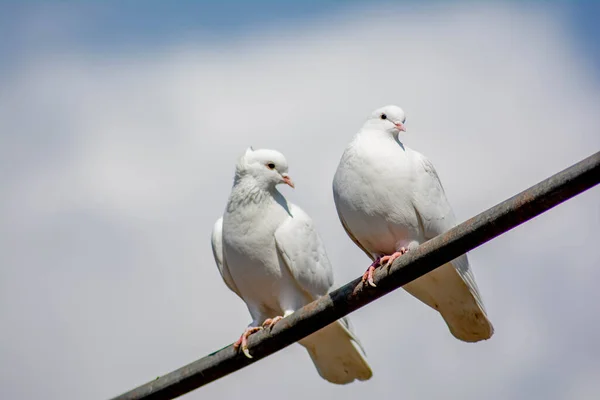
{"type": "Point", "coordinates": [400, 126]}
{"type": "Point", "coordinates": [288, 180]}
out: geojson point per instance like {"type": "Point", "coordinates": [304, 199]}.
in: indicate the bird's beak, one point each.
{"type": "Point", "coordinates": [288, 180]}
{"type": "Point", "coordinates": [400, 126]}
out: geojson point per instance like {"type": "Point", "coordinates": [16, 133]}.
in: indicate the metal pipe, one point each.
{"type": "Point", "coordinates": [428, 256]}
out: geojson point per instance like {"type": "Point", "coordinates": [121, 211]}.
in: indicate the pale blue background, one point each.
{"type": "Point", "coordinates": [120, 123]}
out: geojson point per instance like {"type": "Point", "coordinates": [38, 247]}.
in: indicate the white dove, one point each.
{"type": "Point", "coordinates": [389, 200]}
{"type": "Point", "coordinates": [270, 255]}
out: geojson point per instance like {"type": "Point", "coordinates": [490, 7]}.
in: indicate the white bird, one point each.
{"type": "Point", "coordinates": [389, 199]}
{"type": "Point", "coordinates": [270, 255]}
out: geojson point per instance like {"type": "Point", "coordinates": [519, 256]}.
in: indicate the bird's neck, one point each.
{"type": "Point", "coordinates": [377, 135]}
{"type": "Point", "coordinates": [246, 190]}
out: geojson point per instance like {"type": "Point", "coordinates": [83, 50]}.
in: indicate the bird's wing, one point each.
{"type": "Point", "coordinates": [429, 200]}
{"type": "Point", "coordinates": [217, 248]}
{"type": "Point", "coordinates": [302, 250]}
{"type": "Point", "coordinates": [436, 215]}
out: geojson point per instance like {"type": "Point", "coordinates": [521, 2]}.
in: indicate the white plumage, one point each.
{"type": "Point", "coordinates": [389, 199]}
{"type": "Point", "coordinates": [270, 255]}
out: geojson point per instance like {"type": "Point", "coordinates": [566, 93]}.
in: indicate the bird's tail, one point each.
{"type": "Point", "coordinates": [337, 353]}
{"type": "Point", "coordinates": [451, 290]}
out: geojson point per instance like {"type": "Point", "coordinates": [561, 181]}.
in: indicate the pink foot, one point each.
{"type": "Point", "coordinates": [388, 260]}
{"type": "Point", "coordinates": [381, 261]}
{"type": "Point", "coordinates": [368, 275]}
{"type": "Point", "coordinates": [243, 340]}
{"type": "Point", "coordinates": [270, 322]}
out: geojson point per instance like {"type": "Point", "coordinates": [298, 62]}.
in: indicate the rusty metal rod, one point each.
{"type": "Point", "coordinates": [428, 256]}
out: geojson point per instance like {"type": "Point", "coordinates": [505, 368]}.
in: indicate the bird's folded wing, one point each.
{"type": "Point", "coordinates": [429, 200]}
{"type": "Point", "coordinates": [436, 216]}
{"type": "Point", "coordinates": [217, 248]}
{"type": "Point", "coordinates": [302, 250]}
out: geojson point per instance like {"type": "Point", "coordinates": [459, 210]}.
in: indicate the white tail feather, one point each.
{"type": "Point", "coordinates": [337, 353]}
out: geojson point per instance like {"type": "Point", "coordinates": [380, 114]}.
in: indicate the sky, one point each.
{"type": "Point", "coordinates": [120, 126]}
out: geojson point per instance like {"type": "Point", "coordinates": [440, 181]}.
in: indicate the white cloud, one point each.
{"type": "Point", "coordinates": [119, 166]}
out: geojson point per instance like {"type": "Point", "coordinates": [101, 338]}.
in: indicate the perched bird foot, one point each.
{"type": "Point", "coordinates": [387, 261]}
{"type": "Point", "coordinates": [243, 340]}
{"type": "Point", "coordinates": [270, 322]}
{"type": "Point", "coordinates": [368, 275]}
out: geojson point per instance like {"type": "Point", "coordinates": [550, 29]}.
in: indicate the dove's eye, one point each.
{"type": "Point", "coordinates": [383, 116]}
{"type": "Point", "coordinates": [271, 165]}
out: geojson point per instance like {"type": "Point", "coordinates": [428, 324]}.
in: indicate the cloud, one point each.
{"type": "Point", "coordinates": [115, 167]}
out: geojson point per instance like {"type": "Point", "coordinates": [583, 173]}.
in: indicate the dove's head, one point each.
{"type": "Point", "coordinates": [389, 119]}
{"type": "Point", "coordinates": [268, 168]}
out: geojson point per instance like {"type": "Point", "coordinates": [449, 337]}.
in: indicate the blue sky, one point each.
{"type": "Point", "coordinates": [114, 121]}
{"type": "Point", "coordinates": [583, 19]}
{"type": "Point", "coordinates": [113, 25]}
